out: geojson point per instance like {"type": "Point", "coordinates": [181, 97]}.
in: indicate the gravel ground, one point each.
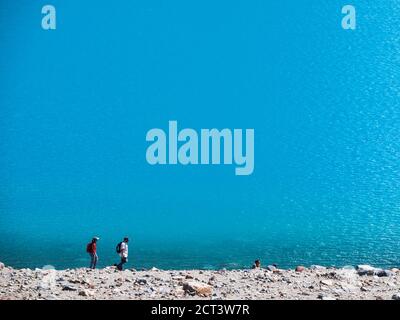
{"type": "Point", "coordinates": [316, 282]}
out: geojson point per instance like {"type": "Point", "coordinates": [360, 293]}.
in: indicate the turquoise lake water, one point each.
{"type": "Point", "coordinates": [76, 104]}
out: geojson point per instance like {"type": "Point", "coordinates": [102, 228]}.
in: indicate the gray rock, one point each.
{"type": "Point", "coordinates": [327, 282]}
{"type": "Point", "coordinates": [177, 278]}
{"type": "Point", "coordinates": [86, 293]}
{"type": "Point", "coordinates": [366, 269]}
{"type": "Point", "coordinates": [2, 265]}
{"type": "Point", "coordinates": [69, 288]}
{"type": "Point", "coordinates": [396, 296]}
{"type": "Point", "coordinates": [271, 268]}
{"type": "Point", "coordinates": [49, 297]}
{"type": "Point", "coordinates": [141, 281]}
{"type": "Point", "coordinates": [325, 297]}
{"type": "Point", "coordinates": [384, 273]}
{"type": "Point", "coordinates": [317, 267]}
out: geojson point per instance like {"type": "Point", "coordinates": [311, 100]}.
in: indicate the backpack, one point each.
{"type": "Point", "coordinates": [89, 248]}
{"type": "Point", "coordinates": [118, 248]}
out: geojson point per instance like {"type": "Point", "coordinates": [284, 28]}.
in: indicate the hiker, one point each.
{"type": "Point", "coordinates": [91, 248]}
{"type": "Point", "coordinates": [122, 250]}
{"type": "Point", "coordinates": [257, 264]}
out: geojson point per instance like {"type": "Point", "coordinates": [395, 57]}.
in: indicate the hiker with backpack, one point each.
{"type": "Point", "coordinates": [91, 248]}
{"type": "Point", "coordinates": [122, 250]}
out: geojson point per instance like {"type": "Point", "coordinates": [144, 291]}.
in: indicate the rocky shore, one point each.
{"type": "Point", "coordinates": [315, 282]}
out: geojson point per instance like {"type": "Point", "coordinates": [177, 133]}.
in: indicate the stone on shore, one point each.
{"type": "Point", "coordinates": [327, 282]}
{"type": "Point", "coordinates": [69, 288]}
{"type": "Point", "coordinates": [141, 282]}
{"type": "Point", "coordinates": [384, 273]}
{"type": "Point", "coordinates": [197, 287]}
{"type": "Point", "coordinates": [325, 297]}
{"type": "Point", "coordinates": [396, 296]}
{"type": "Point", "coordinates": [317, 267]}
{"type": "Point", "coordinates": [300, 269]}
{"type": "Point", "coordinates": [365, 269]}
{"type": "Point", "coordinates": [271, 268]}
{"type": "Point", "coordinates": [86, 293]}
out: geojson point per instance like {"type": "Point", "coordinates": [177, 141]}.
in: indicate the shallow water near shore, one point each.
{"type": "Point", "coordinates": [324, 104]}
{"type": "Point", "coordinates": [205, 254]}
